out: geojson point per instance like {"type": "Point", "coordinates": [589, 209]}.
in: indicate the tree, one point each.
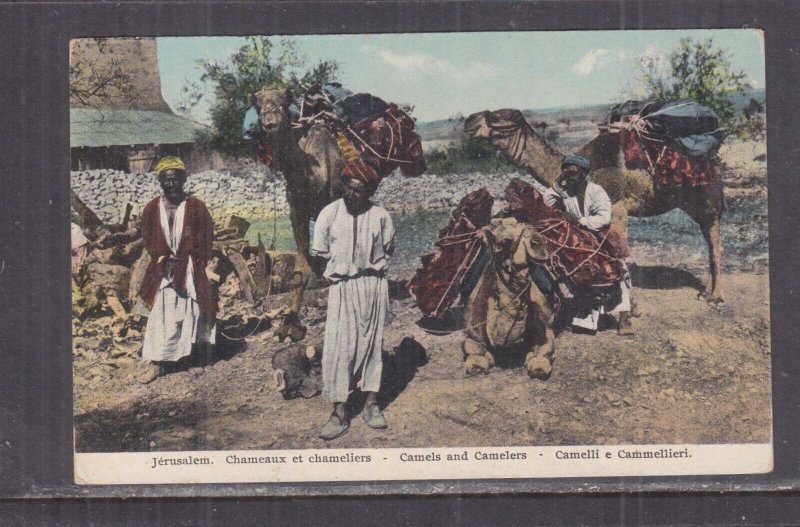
{"type": "Point", "coordinates": [700, 71]}
{"type": "Point", "coordinates": [751, 124]}
{"type": "Point", "coordinates": [96, 75]}
{"type": "Point", "coordinates": [255, 64]}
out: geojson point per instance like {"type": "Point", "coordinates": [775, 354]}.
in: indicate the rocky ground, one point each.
{"type": "Point", "coordinates": [693, 373]}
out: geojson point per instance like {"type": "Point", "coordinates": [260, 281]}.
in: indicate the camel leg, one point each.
{"type": "Point", "coordinates": [539, 361]}
{"type": "Point", "coordinates": [707, 212]}
{"type": "Point", "coordinates": [300, 224]}
{"type": "Point", "coordinates": [477, 359]}
{"type": "Point", "coordinates": [711, 232]}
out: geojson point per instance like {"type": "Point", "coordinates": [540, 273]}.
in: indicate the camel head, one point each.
{"type": "Point", "coordinates": [509, 132]}
{"type": "Point", "coordinates": [488, 124]}
{"type": "Point", "coordinates": [272, 106]}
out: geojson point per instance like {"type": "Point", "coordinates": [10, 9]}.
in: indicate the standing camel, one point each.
{"type": "Point", "coordinates": [311, 161]}
{"type": "Point", "coordinates": [632, 192]}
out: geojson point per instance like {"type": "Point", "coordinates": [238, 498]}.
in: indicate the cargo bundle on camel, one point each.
{"type": "Point", "coordinates": [676, 142]}
{"type": "Point", "coordinates": [326, 131]}
{"type": "Point", "coordinates": [650, 157]}
{"type": "Point", "coordinates": [513, 273]}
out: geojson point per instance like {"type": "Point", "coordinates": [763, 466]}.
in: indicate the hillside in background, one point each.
{"type": "Point", "coordinates": [568, 128]}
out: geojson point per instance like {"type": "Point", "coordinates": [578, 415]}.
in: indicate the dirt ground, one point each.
{"type": "Point", "coordinates": [693, 373]}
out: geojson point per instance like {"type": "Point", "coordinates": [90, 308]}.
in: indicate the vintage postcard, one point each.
{"type": "Point", "coordinates": [427, 256]}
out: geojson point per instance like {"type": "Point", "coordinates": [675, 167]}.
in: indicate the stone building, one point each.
{"type": "Point", "coordinates": [118, 117]}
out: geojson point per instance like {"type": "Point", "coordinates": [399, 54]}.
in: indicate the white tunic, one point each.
{"type": "Point", "coordinates": [596, 215]}
{"type": "Point", "coordinates": [596, 212]}
{"type": "Point", "coordinates": [352, 244]}
{"type": "Point", "coordinates": [357, 249]}
{"type": "Point", "coordinates": [174, 323]}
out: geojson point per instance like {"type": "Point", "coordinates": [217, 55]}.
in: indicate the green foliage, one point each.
{"type": "Point", "coordinates": [256, 64]}
{"type": "Point", "coordinates": [750, 124]}
{"type": "Point", "coordinates": [700, 71]}
{"type": "Point", "coordinates": [468, 155]}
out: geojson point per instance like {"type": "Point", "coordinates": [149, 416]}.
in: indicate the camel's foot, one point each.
{"type": "Point", "coordinates": [713, 296]}
{"type": "Point", "coordinates": [625, 325]}
{"type": "Point", "coordinates": [471, 347]}
{"type": "Point", "coordinates": [538, 367]}
{"type": "Point", "coordinates": [476, 364]}
{"type": "Point", "coordinates": [290, 329]}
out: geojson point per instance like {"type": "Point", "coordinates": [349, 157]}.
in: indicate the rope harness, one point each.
{"type": "Point", "coordinates": [260, 320]}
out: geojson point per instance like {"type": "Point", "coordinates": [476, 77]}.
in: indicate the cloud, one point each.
{"type": "Point", "coordinates": [589, 61]}
{"type": "Point", "coordinates": [410, 63]}
{"type": "Point", "coordinates": [596, 58]}
{"type": "Point", "coordinates": [416, 64]}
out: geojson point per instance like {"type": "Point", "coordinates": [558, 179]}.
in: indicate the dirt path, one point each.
{"type": "Point", "coordinates": [692, 374]}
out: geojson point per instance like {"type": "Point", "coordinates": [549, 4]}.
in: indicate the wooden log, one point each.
{"type": "Point", "coordinates": [127, 254]}
{"type": "Point", "coordinates": [137, 275]}
{"type": "Point", "coordinates": [115, 305]}
{"type": "Point", "coordinates": [118, 238]}
{"type": "Point", "coordinates": [108, 277]}
{"type": "Point", "coordinates": [262, 279]}
{"type": "Point", "coordinates": [127, 217]}
{"type": "Point", "coordinates": [246, 280]}
{"type": "Point", "coordinates": [223, 246]}
{"type": "Point", "coordinates": [224, 232]}
{"type": "Point", "coordinates": [86, 217]}
{"type": "Point", "coordinates": [121, 227]}
{"type": "Point", "coordinates": [240, 224]}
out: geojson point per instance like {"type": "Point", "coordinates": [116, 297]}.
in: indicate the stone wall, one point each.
{"type": "Point", "coordinates": [256, 193]}
{"type": "Point", "coordinates": [248, 192]}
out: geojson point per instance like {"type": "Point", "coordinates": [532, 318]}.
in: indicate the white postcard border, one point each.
{"type": "Point", "coordinates": [407, 464]}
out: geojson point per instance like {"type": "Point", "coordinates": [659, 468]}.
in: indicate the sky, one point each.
{"type": "Point", "coordinates": [445, 74]}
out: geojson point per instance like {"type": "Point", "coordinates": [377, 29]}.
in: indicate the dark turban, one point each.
{"type": "Point", "coordinates": [576, 160]}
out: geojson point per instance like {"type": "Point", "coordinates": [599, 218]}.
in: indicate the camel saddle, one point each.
{"type": "Point", "coordinates": [534, 231]}
{"type": "Point", "coordinates": [676, 141]}
{"type": "Point", "coordinates": [437, 284]}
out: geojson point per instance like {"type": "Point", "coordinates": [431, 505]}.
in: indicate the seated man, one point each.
{"type": "Point", "coordinates": [585, 203]}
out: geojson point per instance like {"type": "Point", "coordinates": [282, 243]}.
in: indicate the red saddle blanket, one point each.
{"type": "Point", "coordinates": [584, 256]}
{"type": "Point", "coordinates": [435, 285]}
{"type": "Point", "coordinates": [670, 167]}
{"type": "Point", "coordinates": [573, 251]}
{"type": "Point", "coordinates": [375, 146]}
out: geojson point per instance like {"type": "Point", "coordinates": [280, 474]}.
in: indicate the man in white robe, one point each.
{"type": "Point", "coordinates": [586, 203]}
{"type": "Point", "coordinates": [177, 231]}
{"type": "Point", "coordinates": [353, 239]}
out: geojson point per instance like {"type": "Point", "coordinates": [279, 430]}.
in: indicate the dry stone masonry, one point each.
{"type": "Point", "coordinates": [256, 193]}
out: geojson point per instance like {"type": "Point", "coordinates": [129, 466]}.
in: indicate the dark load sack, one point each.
{"type": "Point", "coordinates": [689, 127]}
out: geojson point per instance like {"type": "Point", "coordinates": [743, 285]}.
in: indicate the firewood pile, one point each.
{"type": "Point", "coordinates": [109, 262]}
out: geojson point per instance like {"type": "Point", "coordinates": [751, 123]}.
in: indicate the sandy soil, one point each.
{"type": "Point", "coordinates": [693, 373]}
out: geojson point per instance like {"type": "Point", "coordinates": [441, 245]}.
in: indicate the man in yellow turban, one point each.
{"type": "Point", "coordinates": [170, 163]}
{"type": "Point", "coordinates": [178, 232]}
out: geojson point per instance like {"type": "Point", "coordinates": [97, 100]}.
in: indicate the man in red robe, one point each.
{"type": "Point", "coordinates": [177, 231]}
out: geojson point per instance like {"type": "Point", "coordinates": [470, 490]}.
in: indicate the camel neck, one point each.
{"type": "Point", "coordinates": [526, 148]}
{"type": "Point", "coordinates": [287, 153]}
